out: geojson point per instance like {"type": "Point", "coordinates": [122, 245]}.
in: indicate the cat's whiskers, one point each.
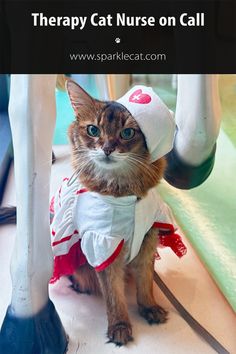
{"type": "Point", "coordinates": [120, 169]}
{"type": "Point", "coordinates": [82, 163]}
{"type": "Point", "coordinates": [143, 160]}
{"type": "Point", "coordinates": [141, 164]}
{"type": "Point", "coordinates": [80, 151]}
{"type": "Point", "coordinates": [107, 163]}
{"type": "Point", "coordinates": [143, 172]}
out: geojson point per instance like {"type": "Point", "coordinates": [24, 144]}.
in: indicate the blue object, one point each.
{"type": "Point", "coordinates": [42, 333]}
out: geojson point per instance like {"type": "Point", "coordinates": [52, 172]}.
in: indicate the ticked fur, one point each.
{"type": "Point", "coordinates": [111, 165]}
{"type": "Point", "coordinates": [128, 169]}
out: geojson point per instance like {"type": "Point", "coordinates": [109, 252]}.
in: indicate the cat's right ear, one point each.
{"type": "Point", "coordinates": [78, 97]}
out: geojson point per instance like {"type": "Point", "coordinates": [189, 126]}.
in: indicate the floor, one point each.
{"type": "Point", "coordinates": [84, 318]}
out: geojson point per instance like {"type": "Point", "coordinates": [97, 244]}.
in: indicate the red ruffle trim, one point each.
{"type": "Point", "coordinates": [168, 238]}
{"type": "Point", "coordinates": [175, 242]}
{"type": "Point", "coordinates": [68, 263]}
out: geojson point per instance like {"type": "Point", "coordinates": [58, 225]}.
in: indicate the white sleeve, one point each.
{"type": "Point", "coordinates": [100, 250]}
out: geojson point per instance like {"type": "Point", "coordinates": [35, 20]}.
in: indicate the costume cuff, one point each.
{"type": "Point", "coordinates": [184, 176]}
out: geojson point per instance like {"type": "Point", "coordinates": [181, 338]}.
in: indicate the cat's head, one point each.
{"type": "Point", "coordinates": [109, 149]}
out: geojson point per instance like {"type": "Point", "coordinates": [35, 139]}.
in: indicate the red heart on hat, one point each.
{"type": "Point", "coordinates": [139, 97]}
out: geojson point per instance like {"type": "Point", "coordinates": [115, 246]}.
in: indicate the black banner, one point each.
{"type": "Point", "coordinates": [118, 36]}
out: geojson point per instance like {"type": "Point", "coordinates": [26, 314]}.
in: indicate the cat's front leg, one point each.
{"type": "Point", "coordinates": [112, 284]}
{"type": "Point", "coordinates": [143, 268]}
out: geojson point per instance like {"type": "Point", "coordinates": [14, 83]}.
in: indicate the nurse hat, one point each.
{"type": "Point", "coordinates": [153, 117]}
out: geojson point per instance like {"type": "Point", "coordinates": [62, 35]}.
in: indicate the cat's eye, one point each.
{"type": "Point", "coordinates": [93, 131]}
{"type": "Point", "coordinates": [127, 133]}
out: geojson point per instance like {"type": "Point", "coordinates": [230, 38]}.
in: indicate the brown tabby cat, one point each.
{"type": "Point", "coordinates": [111, 165]}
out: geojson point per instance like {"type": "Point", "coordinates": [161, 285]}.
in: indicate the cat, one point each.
{"type": "Point", "coordinates": [106, 134]}
{"type": "Point", "coordinates": [110, 174]}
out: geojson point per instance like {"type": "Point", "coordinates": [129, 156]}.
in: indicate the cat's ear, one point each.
{"type": "Point", "coordinates": [78, 97]}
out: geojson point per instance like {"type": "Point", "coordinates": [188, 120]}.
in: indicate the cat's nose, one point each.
{"type": "Point", "coordinates": [108, 150]}
{"type": "Point", "coordinates": [108, 147]}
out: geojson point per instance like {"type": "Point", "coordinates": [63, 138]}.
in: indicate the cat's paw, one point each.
{"type": "Point", "coordinates": [120, 333]}
{"type": "Point", "coordinates": [154, 314]}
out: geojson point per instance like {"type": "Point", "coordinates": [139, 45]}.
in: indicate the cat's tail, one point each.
{"type": "Point", "coordinates": [7, 215]}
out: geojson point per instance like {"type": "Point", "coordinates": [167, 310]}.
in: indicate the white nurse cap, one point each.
{"type": "Point", "coordinates": [153, 117]}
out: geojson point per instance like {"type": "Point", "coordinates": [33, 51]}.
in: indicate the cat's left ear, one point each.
{"type": "Point", "coordinates": [78, 97]}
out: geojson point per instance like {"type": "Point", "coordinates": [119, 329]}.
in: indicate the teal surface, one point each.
{"type": "Point", "coordinates": [65, 114]}
{"type": "Point", "coordinates": [227, 86]}
{"type": "Point", "coordinates": [207, 215]}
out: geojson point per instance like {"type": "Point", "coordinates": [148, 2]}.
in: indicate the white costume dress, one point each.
{"type": "Point", "coordinates": [89, 227]}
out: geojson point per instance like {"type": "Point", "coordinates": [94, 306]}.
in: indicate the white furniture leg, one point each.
{"type": "Point", "coordinates": [198, 123]}
{"type": "Point", "coordinates": [197, 117]}
{"type": "Point", "coordinates": [31, 325]}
